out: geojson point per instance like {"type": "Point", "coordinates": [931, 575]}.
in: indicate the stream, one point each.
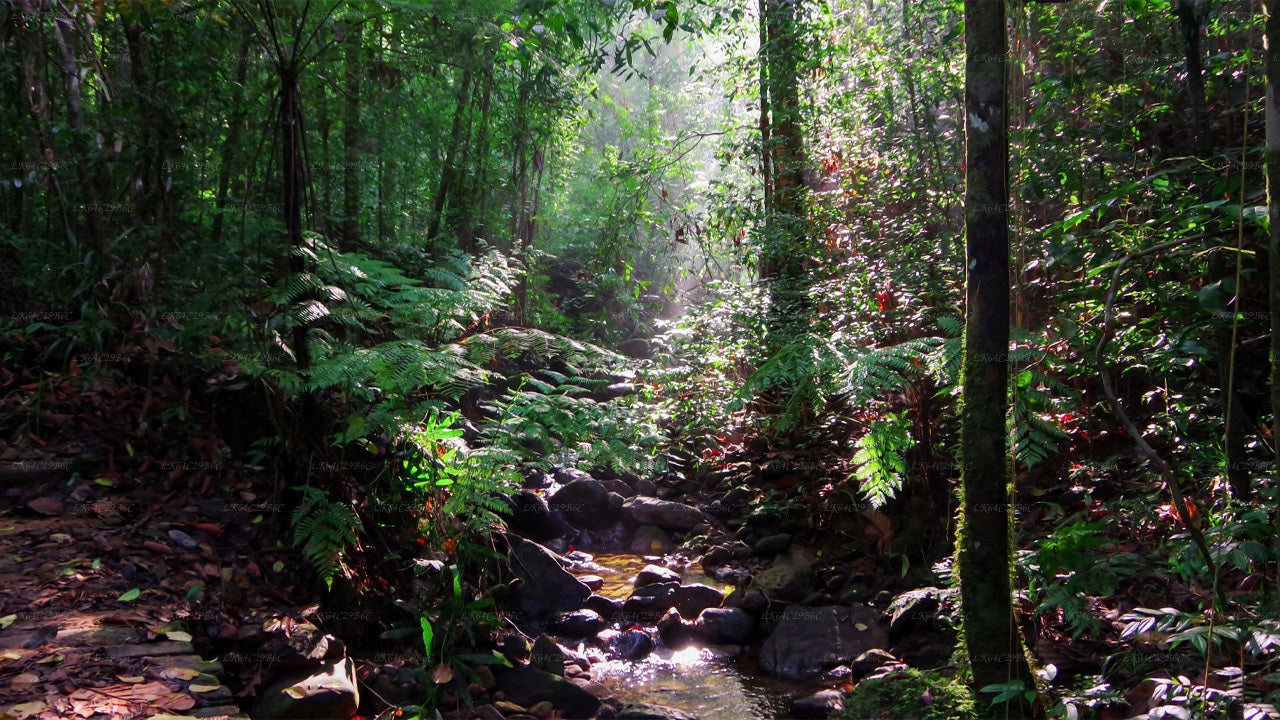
{"type": "Point", "coordinates": [705, 682]}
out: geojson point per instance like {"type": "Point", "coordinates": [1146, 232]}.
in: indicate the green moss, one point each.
{"type": "Point", "coordinates": [910, 695]}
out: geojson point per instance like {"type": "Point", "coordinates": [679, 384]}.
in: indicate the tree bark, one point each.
{"type": "Point", "coordinates": [351, 139]}
{"type": "Point", "coordinates": [448, 172]}
{"type": "Point", "coordinates": [75, 118]}
{"type": "Point", "coordinates": [235, 124]}
{"type": "Point", "coordinates": [994, 645]}
{"type": "Point", "coordinates": [1272, 104]}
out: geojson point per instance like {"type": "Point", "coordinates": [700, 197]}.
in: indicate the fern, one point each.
{"type": "Point", "coordinates": [881, 465]}
{"type": "Point", "coordinates": [324, 530]}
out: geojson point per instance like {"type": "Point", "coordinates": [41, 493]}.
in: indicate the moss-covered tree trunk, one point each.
{"type": "Point", "coordinates": [991, 638]}
{"type": "Point", "coordinates": [1272, 60]}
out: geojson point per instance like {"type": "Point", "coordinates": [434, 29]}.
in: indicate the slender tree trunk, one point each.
{"type": "Point", "coordinates": [1190, 22]}
{"type": "Point", "coordinates": [1271, 59]}
{"type": "Point", "coordinates": [448, 172]}
{"type": "Point", "coordinates": [983, 558]}
{"type": "Point", "coordinates": [351, 139]}
{"type": "Point", "coordinates": [475, 204]}
{"type": "Point", "coordinates": [766, 154]}
{"type": "Point", "coordinates": [75, 118]}
{"type": "Point", "coordinates": [235, 123]}
{"type": "Point", "coordinates": [291, 167]}
{"type": "Point", "coordinates": [37, 100]}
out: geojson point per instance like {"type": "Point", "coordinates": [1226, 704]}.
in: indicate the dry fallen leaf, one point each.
{"type": "Point", "coordinates": [131, 678]}
{"type": "Point", "coordinates": [175, 701]}
{"type": "Point", "coordinates": [24, 681]}
{"type": "Point", "coordinates": [27, 709]}
{"type": "Point", "coordinates": [202, 688]}
{"type": "Point", "coordinates": [179, 673]}
{"type": "Point", "coordinates": [179, 636]}
{"type": "Point", "coordinates": [443, 674]}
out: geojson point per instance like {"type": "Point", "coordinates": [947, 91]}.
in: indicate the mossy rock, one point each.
{"type": "Point", "coordinates": [909, 694]}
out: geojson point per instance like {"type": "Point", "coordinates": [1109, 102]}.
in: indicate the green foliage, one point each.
{"type": "Point", "coordinates": [550, 422]}
{"type": "Point", "coordinates": [325, 530]}
{"type": "Point", "coordinates": [881, 465]}
{"type": "Point", "coordinates": [911, 695]}
{"type": "Point", "coordinates": [1066, 567]}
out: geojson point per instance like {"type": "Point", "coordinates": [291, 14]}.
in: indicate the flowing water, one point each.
{"type": "Point", "coordinates": [704, 682]}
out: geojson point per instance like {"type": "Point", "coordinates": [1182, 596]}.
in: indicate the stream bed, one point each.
{"type": "Point", "coordinates": [705, 682]}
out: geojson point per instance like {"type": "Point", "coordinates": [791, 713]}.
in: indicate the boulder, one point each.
{"type": "Point", "coordinates": [785, 580]}
{"type": "Point", "coordinates": [663, 513]}
{"type": "Point", "coordinates": [545, 589]}
{"type": "Point", "coordinates": [615, 485]}
{"type": "Point", "coordinates": [531, 517]}
{"type": "Point", "coordinates": [652, 574]}
{"type": "Point", "coordinates": [646, 486]}
{"type": "Point", "coordinates": [327, 692]}
{"type": "Point", "coordinates": [595, 582]}
{"type": "Point", "coordinates": [691, 600]}
{"type": "Point", "coordinates": [633, 644]}
{"type": "Point", "coordinates": [674, 630]}
{"type": "Point", "coordinates": [548, 655]}
{"type": "Point", "coordinates": [772, 544]}
{"type": "Point", "coordinates": [529, 686]}
{"type": "Point", "coordinates": [923, 608]}
{"type": "Point", "coordinates": [810, 639]}
{"type": "Point", "coordinates": [584, 503]}
{"type": "Point", "coordinates": [650, 602]}
{"type": "Point", "coordinates": [650, 540]}
{"type": "Point", "coordinates": [822, 704]}
{"type": "Point", "coordinates": [725, 626]}
{"type": "Point", "coordinates": [605, 607]}
{"type": "Point", "coordinates": [580, 623]}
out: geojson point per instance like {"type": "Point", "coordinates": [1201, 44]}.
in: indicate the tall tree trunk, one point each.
{"type": "Point", "coordinates": [234, 125]}
{"type": "Point", "coordinates": [75, 118]}
{"type": "Point", "coordinates": [291, 167]}
{"type": "Point", "coordinates": [982, 548]}
{"type": "Point", "coordinates": [1190, 23]}
{"type": "Point", "coordinates": [785, 248]}
{"type": "Point", "coordinates": [36, 99]}
{"type": "Point", "coordinates": [1271, 59]}
{"type": "Point", "coordinates": [475, 204]}
{"type": "Point", "coordinates": [351, 139]}
{"type": "Point", "coordinates": [447, 173]}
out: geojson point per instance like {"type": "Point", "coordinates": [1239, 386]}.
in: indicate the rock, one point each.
{"type": "Point", "coordinates": [822, 704]}
{"type": "Point", "coordinates": [653, 712]}
{"type": "Point", "coordinates": [868, 661]}
{"type": "Point", "coordinates": [725, 626]}
{"type": "Point", "coordinates": [328, 692]}
{"type": "Point", "coordinates": [595, 582]}
{"type": "Point", "coordinates": [508, 707]}
{"type": "Point", "coordinates": [580, 623]}
{"type": "Point", "coordinates": [535, 478]}
{"type": "Point", "coordinates": [674, 630]}
{"type": "Point", "coordinates": [785, 580]}
{"type": "Point", "coordinates": [485, 677]}
{"type": "Point", "coordinates": [615, 485]}
{"type": "Point", "coordinates": [716, 556]}
{"type": "Point", "coordinates": [568, 475]}
{"type": "Point", "coordinates": [649, 602]}
{"type": "Point", "coordinates": [652, 574]}
{"type": "Point", "coordinates": [739, 497]}
{"type": "Point", "coordinates": [542, 709]}
{"type": "Point", "coordinates": [646, 487]}
{"type": "Point", "coordinates": [916, 609]}
{"type": "Point", "coordinates": [584, 503]}
{"type": "Point", "coordinates": [772, 544]}
{"type": "Point", "coordinates": [633, 644]}
{"type": "Point", "coordinates": [663, 513]}
{"type": "Point", "coordinates": [810, 639]}
{"type": "Point", "coordinates": [701, 529]}
{"type": "Point", "coordinates": [489, 712]}
{"type": "Point", "coordinates": [650, 539]}
{"type": "Point", "coordinates": [529, 686]}
{"type": "Point", "coordinates": [616, 501]}
{"type": "Point", "coordinates": [532, 518]}
{"type": "Point", "coordinates": [753, 601]}
{"type": "Point", "coordinates": [548, 655]}
{"type": "Point", "coordinates": [605, 607]}
{"type": "Point", "coordinates": [546, 589]}
{"type": "Point", "coordinates": [691, 600]}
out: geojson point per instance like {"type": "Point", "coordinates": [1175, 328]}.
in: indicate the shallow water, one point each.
{"type": "Point", "coordinates": [703, 682]}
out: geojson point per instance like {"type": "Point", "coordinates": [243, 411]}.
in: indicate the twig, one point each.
{"type": "Point", "coordinates": [1166, 473]}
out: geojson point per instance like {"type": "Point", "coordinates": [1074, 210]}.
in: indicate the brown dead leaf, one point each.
{"type": "Point", "coordinates": [443, 674]}
{"type": "Point", "coordinates": [175, 701]}
{"type": "Point", "coordinates": [179, 673]}
{"type": "Point", "coordinates": [47, 505]}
